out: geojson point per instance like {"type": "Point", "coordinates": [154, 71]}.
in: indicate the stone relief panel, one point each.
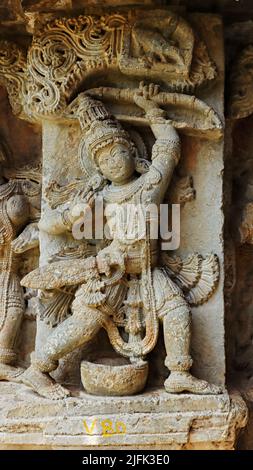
{"type": "Point", "coordinates": [140, 294]}
{"type": "Point", "coordinates": [20, 212]}
{"type": "Point", "coordinates": [67, 52]}
{"type": "Point", "coordinates": [132, 115]}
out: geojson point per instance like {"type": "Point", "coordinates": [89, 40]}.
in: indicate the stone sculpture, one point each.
{"type": "Point", "coordinates": [66, 51]}
{"type": "Point", "coordinates": [19, 212]}
{"type": "Point", "coordinates": [113, 307]}
{"type": "Point", "coordinates": [126, 276]}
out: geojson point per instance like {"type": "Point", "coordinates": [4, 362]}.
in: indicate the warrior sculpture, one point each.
{"type": "Point", "coordinates": [128, 282]}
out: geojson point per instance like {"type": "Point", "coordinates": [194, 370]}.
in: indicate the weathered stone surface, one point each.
{"type": "Point", "coordinates": [107, 134]}
{"type": "Point", "coordinates": [240, 213]}
{"type": "Point", "coordinates": [153, 419]}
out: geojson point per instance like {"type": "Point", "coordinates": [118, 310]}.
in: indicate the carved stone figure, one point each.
{"type": "Point", "coordinates": [19, 206]}
{"type": "Point", "coordinates": [125, 276]}
{"type": "Point", "coordinates": [121, 312]}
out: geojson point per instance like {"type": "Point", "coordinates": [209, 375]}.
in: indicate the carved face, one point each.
{"type": "Point", "coordinates": [18, 209]}
{"type": "Point", "coordinates": [116, 163]}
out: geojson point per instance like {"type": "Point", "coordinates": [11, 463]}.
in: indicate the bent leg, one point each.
{"type": "Point", "coordinates": [8, 335]}
{"type": "Point", "coordinates": [176, 317]}
{"type": "Point", "coordinates": [77, 330]}
{"type": "Point", "coordinates": [74, 332]}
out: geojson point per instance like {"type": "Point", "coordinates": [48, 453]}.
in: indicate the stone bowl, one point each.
{"type": "Point", "coordinates": [113, 376]}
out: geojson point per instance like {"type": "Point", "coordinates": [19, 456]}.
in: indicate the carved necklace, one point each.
{"type": "Point", "coordinates": [119, 194]}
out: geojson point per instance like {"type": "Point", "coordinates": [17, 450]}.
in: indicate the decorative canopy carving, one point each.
{"type": "Point", "coordinates": [13, 74]}
{"type": "Point", "coordinates": [66, 52]}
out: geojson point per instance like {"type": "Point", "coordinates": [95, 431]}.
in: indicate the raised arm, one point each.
{"type": "Point", "coordinates": [166, 150]}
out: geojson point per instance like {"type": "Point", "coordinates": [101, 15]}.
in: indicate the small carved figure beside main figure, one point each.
{"type": "Point", "coordinates": [19, 215]}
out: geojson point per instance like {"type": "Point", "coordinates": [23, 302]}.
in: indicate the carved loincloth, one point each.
{"type": "Point", "coordinates": [115, 296]}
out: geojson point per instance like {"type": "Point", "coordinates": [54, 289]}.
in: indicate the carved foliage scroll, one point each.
{"type": "Point", "coordinates": [68, 51]}
{"type": "Point", "coordinates": [13, 73]}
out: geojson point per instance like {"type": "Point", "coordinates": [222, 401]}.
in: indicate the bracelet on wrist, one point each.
{"type": "Point", "coordinates": [155, 113]}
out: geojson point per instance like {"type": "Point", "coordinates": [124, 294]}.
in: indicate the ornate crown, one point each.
{"type": "Point", "coordinates": [101, 129]}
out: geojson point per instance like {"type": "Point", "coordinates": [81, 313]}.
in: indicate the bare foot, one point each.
{"type": "Point", "coordinates": [10, 373]}
{"type": "Point", "coordinates": [179, 382]}
{"type": "Point", "coordinates": [43, 384]}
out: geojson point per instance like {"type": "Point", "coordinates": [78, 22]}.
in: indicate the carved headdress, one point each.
{"type": "Point", "coordinates": [100, 128]}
